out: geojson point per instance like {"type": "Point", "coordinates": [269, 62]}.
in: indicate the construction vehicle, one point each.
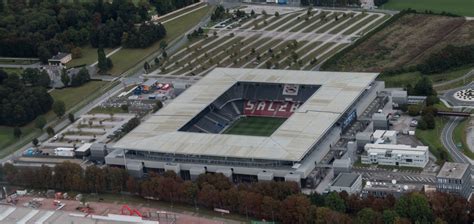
{"type": "Point", "coordinates": [131, 212]}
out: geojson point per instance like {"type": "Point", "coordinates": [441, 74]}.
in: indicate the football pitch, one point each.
{"type": "Point", "coordinates": [255, 126]}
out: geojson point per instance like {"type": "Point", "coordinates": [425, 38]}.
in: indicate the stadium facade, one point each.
{"type": "Point", "coordinates": [188, 135]}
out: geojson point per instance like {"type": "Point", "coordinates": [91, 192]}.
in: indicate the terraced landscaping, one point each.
{"type": "Point", "coordinates": [292, 40]}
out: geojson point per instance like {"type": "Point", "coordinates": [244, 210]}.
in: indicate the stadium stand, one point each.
{"type": "Point", "coordinates": [250, 99]}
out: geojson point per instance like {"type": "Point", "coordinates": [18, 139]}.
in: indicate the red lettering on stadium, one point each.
{"type": "Point", "coordinates": [270, 108]}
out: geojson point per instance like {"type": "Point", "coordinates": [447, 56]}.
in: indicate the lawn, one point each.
{"type": "Point", "coordinates": [255, 126]}
{"type": "Point", "coordinates": [459, 138]}
{"type": "Point", "coordinates": [402, 80]}
{"type": "Point", "coordinates": [432, 138]}
{"type": "Point", "coordinates": [73, 95]}
{"type": "Point", "coordinates": [459, 7]}
{"type": "Point", "coordinates": [126, 58]}
{"type": "Point", "coordinates": [89, 56]}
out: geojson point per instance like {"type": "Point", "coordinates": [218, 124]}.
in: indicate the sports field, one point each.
{"type": "Point", "coordinates": [255, 126]}
{"type": "Point", "coordinates": [459, 7]}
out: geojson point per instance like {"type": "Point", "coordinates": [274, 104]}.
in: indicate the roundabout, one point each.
{"type": "Point", "coordinates": [466, 95]}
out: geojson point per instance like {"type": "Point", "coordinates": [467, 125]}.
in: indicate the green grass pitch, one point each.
{"type": "Point", "coordinates": [255, 126]}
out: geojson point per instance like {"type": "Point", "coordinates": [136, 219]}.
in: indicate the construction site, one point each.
{"type": "Point", "coordinates": [57, 207]}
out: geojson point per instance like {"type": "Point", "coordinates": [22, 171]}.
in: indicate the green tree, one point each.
{"type": "Point", "coordinates": [35, 142]}
{"type": "Point", "coordinates": [102, 60]}
{"type": "Point", "coordinates": [416, 207]}
{"type": "Point", "coordinates": [367, 216]}
{"type": "Point", "coordinates": [17, 132]}
{"type": "Point", "coordinates": [71, 117]}
{"type": "Point", "coordinates": [65, 77]}
{"type": "Point", "coordinates": [277, 14]}
{"type": "Point", "coordinates": [50, 131]}
{"type": "Point", "coordinates": [424, 87]}
{"type": "Point", "coordinates": [40, 122]}
{"type": "Point", "coordinates": [389, 216]}
{"type": "Point", "coordinates": [163, 45]}
{"type": "Point", "coordinates": [59, 108]}
{"type": "Point", "coordinates": [335, 202]}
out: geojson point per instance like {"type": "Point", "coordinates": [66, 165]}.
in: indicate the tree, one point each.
{"type": "Point", "coordinates": [252, 13]}
{"type": "Point", "coordinates": [366, 216]}
{"type": "Point", "coordinates": [65, 78]}
{"type": "Point", "coordinates": [40, 122]}
{"type": "Point", "coordinates": [59, 108]}
{"type": "Point", "coordinates": [76, 52]}
{"type": "Point", "coordinates": [389, 216]}
{"type": "Point", "coordinates": [35, 142]}
{"type": "Point", "coordinates": [424, 87]}
{"type": "Point", "coordinates": [50, 131]}
{"type": "Point", "coordinates": [277, 14]}
{"type": "Point", "coordinates": [17, 132]}
{"type": "Point", "coordinates": [71, 117]}
{"type": "Point", "coordinates": [334, 202]}
{"type": "Point", "coordinates": [146, 66]}
{"type": "Point", "coordinates": [264, 13]}
{"type": "Point", "coordinates": [414, 206]}
{"type": "Point", "coordinates": [163, 45]}
{"type": "Point", "coordinates": [102, 60]}
{"type": "Point", "coordinates": [295, 209]}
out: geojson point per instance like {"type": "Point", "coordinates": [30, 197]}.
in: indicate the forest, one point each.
{"type": "Point", "coordinates": [279, 201]}
{"type": "Point", "coordinates": [41, 28]}
{"type": "Point", "coordinates": [22, 101]}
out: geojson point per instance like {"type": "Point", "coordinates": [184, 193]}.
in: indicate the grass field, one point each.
{"type": "Point", "coordinates": [459, 138]}
{"type": "Point", "coordinates": [255, 126]}
{"type": "Point", "coordinates": [89, 56]}
{"type": "Point", "coordinates": [402, 80]}
{"type": "Point", "coordinates": [432, 138]}
{"type": "Point", "coordinates": [73, 95]}
{"type": "Point", "coordinates": [406, 42]}
{"type": "Point", "coordinates": [459, 7]}
{"type": "Point", "coordinates": [127, 58]}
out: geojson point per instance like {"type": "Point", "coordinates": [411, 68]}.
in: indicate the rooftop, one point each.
{"type": "Point", "coordinates": [345, 179]}
{"type": "Point", "coordinates": [59, 56]}
{"type": "Point", "coordinates": [453, 170]}
{"type": "Point", "coordinates": [290, 142]}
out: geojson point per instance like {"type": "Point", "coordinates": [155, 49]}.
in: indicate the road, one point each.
{"type": "Point", "coordinates": [467, 75]}
{"type": "Point", "coordinates": [448, 142]}
{"type": "Point", "coordinates": [174, 46]}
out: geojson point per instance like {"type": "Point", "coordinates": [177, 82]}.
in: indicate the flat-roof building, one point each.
{"type": "Point", "coordinates": [395, 155]}
{"type": "Point", "coordinates": [348, 182]}
{"type": "Point", "coordinates": [455, 178]}
{"type": "Point", "coordinates": [172, 136]}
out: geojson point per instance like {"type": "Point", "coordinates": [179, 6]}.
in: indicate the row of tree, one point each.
{"type": "Point", "coordinates": [165, 6]}
{"type": "Point", "coordinates": [20, 104]}
{"type": "Point", "coordinates": [279, 201]}
{"type": "Point", "coordinates": [144, 36]}
{"type": "Point", "coordinates": [447, 58]}
{"type": "Point", "coordinates": [42, 28]}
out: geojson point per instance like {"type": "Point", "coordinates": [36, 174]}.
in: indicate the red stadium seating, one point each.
{"type": "Point", "coordinates": [269, 108]}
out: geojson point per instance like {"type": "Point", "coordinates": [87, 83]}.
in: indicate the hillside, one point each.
{"type": "Point", "coordinates": [407, 41]}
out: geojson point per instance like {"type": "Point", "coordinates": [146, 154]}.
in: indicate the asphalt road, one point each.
{"type": "Point", "coordinates": [447, 140]}
{"type": "Point", "coordinates": [174, 46]}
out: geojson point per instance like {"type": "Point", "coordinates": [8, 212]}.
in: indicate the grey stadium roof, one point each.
{"type": "Point", "coordinates": [290, 142]}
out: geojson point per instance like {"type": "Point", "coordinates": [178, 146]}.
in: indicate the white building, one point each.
{"type": "Point", "coordinates": [348, 182]}
{"type": "Point", "coordinates": [395, 155]}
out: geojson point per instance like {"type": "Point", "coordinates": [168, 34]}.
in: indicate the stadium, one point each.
{"type": "Point", "coordinates": [248, 124]}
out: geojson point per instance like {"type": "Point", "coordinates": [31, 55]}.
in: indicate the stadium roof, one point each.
{"type": "Point", "coordinates": [289, 142]}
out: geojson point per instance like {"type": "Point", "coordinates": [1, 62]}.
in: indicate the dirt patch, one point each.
{"type": "Point", "coordinates": [407, 41]}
